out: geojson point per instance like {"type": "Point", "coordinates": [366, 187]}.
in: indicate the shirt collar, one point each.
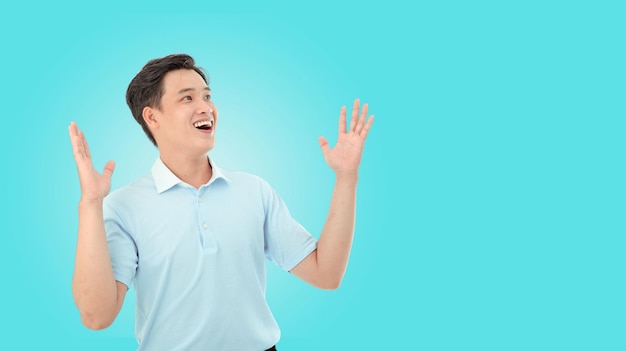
{"type": "Point", "coordinates": [165, 179]}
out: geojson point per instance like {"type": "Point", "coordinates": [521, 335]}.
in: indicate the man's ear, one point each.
{"type": "Point", "coordinates": [149, 117]}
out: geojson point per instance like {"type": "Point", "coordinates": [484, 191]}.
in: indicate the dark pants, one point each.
{"type": "Point", "coordinates": [273, 348]}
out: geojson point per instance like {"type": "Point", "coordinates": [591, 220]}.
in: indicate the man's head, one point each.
{"type": "Point", "coordinates": [147, 88]}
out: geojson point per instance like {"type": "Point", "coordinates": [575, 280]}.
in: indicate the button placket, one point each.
{"type": "Point", "coordinates": [206, 238]}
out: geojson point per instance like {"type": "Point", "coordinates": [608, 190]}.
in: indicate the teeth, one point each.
{"type": "Point", "coordinates": [203, 123]}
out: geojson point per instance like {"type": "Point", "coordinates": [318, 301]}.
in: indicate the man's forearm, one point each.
{"type": "Point", "coordinates": [93, 286]}
{"type": "Point", "coordinates": [333, 248]}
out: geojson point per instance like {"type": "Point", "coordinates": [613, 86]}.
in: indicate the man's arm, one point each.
{"type": "Point", "coordinates": [96, 293]}
{"type": "Point", "coordinates": [325, 267]}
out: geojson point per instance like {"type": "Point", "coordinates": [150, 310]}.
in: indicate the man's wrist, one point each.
{"type": "Point", "coordinates": [347, 178]}
{"type": "Point", "coordinates": [89, 202]}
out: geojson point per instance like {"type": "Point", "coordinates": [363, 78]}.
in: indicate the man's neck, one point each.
{"type": "Point", "coordinates": [195, 171]}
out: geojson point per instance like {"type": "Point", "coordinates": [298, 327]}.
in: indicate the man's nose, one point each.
{"type": "Point", "coordinates": [204, 108]}
{"type": "Point", "coordinates": [210, 108]}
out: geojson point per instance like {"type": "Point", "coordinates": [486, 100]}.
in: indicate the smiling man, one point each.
{"type": "Point", "coordinates": [193, 237]}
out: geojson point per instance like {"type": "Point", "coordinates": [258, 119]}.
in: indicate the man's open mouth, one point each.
{"type": "Point", "coordinates": [204, 125]}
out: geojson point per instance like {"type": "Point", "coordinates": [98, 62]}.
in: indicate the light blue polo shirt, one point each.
{"type": "Point", "coordinates": [197, 258]}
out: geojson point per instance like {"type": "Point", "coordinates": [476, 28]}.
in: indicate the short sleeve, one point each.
{"type": "Point", "coordinates": [287, 243]}
{"type": "Point", "coordinates": [122, 247]}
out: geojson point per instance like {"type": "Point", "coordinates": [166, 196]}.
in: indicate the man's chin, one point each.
{"type": "Point", "coordinates": [210, 147]}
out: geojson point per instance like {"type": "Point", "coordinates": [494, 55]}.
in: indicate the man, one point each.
{"type": "Point", "coordinates": [193, 237]}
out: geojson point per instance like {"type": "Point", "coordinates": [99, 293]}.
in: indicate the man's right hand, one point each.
{"type": "Point", "coordinates": [94, 186]}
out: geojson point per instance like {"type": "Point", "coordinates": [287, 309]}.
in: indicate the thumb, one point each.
{"type": "Point", "coordinates": [109, 168]}
{"type": "Point", "coordinates": [324, 145]}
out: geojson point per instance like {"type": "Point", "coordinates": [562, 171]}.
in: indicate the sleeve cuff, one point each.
{"type": "Point", "coordinates": [301, 255]}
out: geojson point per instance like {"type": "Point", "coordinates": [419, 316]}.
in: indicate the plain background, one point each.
{"type": "Point", "coordinates": [491, 199]}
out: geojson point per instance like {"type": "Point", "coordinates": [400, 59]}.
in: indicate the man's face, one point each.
{"type": "Point", "coordinates": [187, 118]}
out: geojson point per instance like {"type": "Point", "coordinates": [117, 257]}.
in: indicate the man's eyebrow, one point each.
{"type": "Point", "coordinates": [184, 90]}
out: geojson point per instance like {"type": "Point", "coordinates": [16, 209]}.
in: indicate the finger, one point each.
{"type": "Point", "coordinates": [362, 120]}
{"type": "Point", "coordinates": [108, 169]}
{"type": "Point", "coordinates": [72, 129]}
{"type": "Point", "coordinates": [74, 138]}
{"type": "Point", "coordinates": [85, 144]}
{"type": "Point", "coordinates": [324, 145]}
{"type": "Point", "coordinates": [366, 128]}
{"type": "Point", "coordinates": [77, 146]}
{"type": "Point", "coordinates": [342, 120]}
{"type": "Point", "coordinates": [355, 113]}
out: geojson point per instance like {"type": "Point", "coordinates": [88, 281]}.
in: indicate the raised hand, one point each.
{"type": "Point", "coordinates": [345, 157]}
{"type": "Point", "coordinates": [93, 185]}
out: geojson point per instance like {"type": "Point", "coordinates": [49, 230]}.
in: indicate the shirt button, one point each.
{"type": "Point", "coordinates": [199, 200]}
{"type": "Point", "coordinates": [205, 226]}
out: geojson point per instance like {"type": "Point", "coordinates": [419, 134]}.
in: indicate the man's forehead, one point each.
{"type": "Point", "coordinates": [183, 79]}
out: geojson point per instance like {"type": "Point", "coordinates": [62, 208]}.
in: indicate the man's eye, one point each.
{"type": "Point", "coordinates": [207, 97]}
{"type": "Point", "coordinates": [187, 98]}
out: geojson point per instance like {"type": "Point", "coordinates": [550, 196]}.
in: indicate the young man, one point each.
{"type": "Point", "coordinates": [193, 237]}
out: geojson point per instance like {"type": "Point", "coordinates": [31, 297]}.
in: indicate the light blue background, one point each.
{"type": "Point", "coordinates": [491, 200]}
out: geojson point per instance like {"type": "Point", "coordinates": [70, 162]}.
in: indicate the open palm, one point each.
{"type": "Point", "coordinates": [93, 185]}
{"type": "Point", "coordinates": [345, 157]}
